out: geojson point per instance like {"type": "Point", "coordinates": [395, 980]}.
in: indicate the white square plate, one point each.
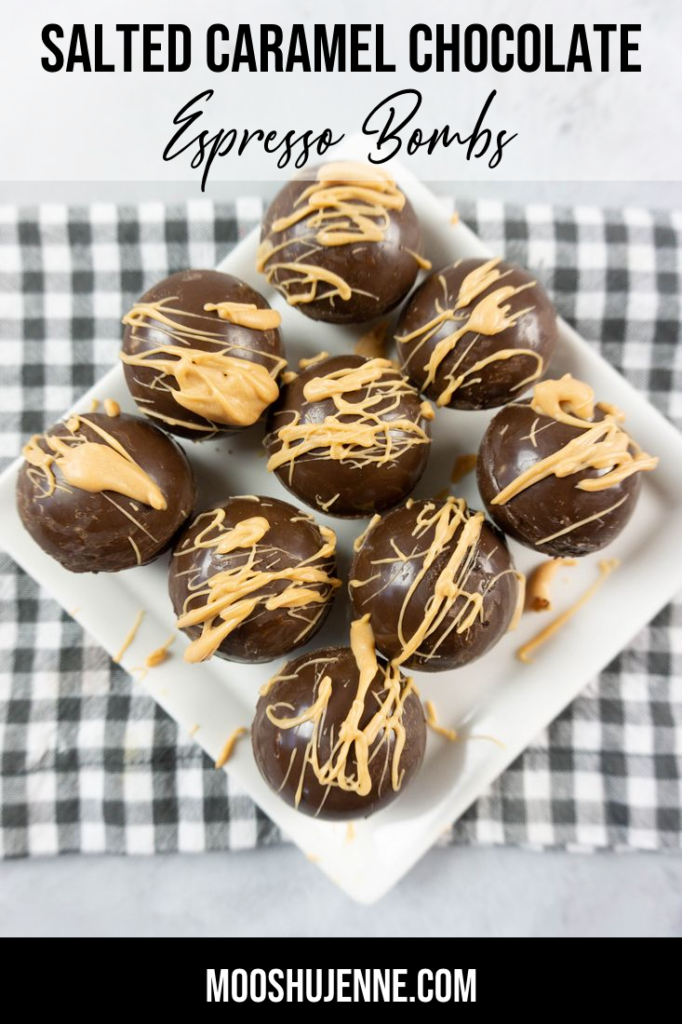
{"type": "Point", "coordinates": [497, 696]}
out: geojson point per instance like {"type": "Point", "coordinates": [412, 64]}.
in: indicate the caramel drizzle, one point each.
{"type": "Point", "coordinates": [348, 204]}
{"type": "Point", "coordinates": [385, 726]}
{"type": "Point", "coordinates": [214, 384]}
{"type": "Point", "coordinates": [445, 521]}
{"type": "Point", "coordinates": [370, 437]}
{"type": "Point", "coordinates": [245, 314]}
{"type": "Point", "coordinates": [90, 466]}
{"type": "Point", "coordinates": [450, 585]}
{"type": "Point", "coordinates": [603, 445]}
{"type": "Point", "coordinates": [490, 315]}
{"type": "Point", "coordinates": [235, 593]}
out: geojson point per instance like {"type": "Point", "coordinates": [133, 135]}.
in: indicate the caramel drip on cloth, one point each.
{"type": "Point", "coordinates": [371, 436]}
{"type": "Point", "coordinates": [91, 466]}
{"type": "Point", "coordinates": [603, 445]}
{"type": "Point", "coordinates": [213, 383]}
{"type": "Point", "coordinates": [348, 204]}
{"type": "Point", "coordinates": [492, 314]}
{"type": "Point", "coordinates": [220, 604]}
{"type": "Point", "coordinates": [352, 741]}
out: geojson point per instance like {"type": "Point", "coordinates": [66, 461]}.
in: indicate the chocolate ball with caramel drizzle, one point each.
{"type": "Point", "coordinates": [103, 493]}
{"type": "Point", "coordinates": [559, 473]}
{"type": "Point", "coordinates": [252, 579]}
{"type": "Point", "coordinates": [342, 243]}
{"type": "Point", "coordinates": [202, 354]}
{"type": "Point", "coordinates": [349, 436]}
{"type": "Point", "coordinates": [438, 582]}
{"type": "Point", "coordinates": [339, 733]}
{"type": "Point", "coordinates": [476, 334]}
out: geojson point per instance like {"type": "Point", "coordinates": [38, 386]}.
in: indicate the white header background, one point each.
{"type": "Point", "coordinates": [115, 126]}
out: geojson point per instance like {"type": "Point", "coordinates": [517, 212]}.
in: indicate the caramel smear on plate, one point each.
{"type": "Point", "coordinates": [435, 726]}
{"type": "Point", "coordinates": [132, 633]}
{"type": "Point", "coordinates": [160, 655]}
{"type": "Point", "coordinates": [538, 589]}
{"type": "Point", "coordinates": [464, 464]}
{"type": "Point", "coordinates": [228, 750]}
{"type": "Point", "coordinates": [111, 407]}
{"type": "Point", "coordinates": [303, 364]}
{"type": "Point", "coordinates": [373, 343]}
{"type": "Point", "coordinates": [524, 653]}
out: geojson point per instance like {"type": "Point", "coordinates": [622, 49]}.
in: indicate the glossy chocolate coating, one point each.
{"type": "Point", "coordinates": [384, 597]}
{"type": "Point", "coordinates": [362, 489]}
{"type": "Point", "coordinates": [85, 531]}
{"type": "Point", "coordinates": [292, 538]}
{"type": "Point", "coordinates": [273, 746]}
{"type": "Point", "coordinates": [380, 274]}
{"type": "Point", "coordinates": [190, 291]}
{"type": "Point", "coordinates": [497, 382]}
{"type": "Point", "coordinates": [511, 446]}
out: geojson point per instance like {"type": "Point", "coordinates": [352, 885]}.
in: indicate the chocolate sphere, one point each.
{"type": "Point", "coordinates": [476, 334]}
{"type": "Point", "coordinates": [438, 582]}
{"type": "Point", "coordinates": [252, 579]}
{"type": "Point", "coordinates": [342, 243]}
{"type": "Point", "coordinates": [197, 371]}
{"type": "Point", "coordinates": [103, 493]}
{"type": "Point", "coordinates": [554, 514]}
{"type": "Point", "coordinates": [349, 436]}
{"type": "Point", "coordinates": [283, 753]}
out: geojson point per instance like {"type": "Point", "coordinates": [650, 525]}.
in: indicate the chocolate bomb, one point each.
{"type": "Point", "coordinates": [103, 493]}
{"type": "Point", "coordinates": [554, 513]}
{"type": "Point", "coordinates": [477, 334]}
{"type": "Point", "coordinates": [342, 243]}
{"type": "Point", "coordinates": [438, 583]}
{"type": "Point", "coordinates": [252, 579]}
{"type": "Point", "coordinates": [284, 753]}
{"type": "Point", "coordinates": [202, 354]}
{"type": "Point", "coordinates": [349, 436]}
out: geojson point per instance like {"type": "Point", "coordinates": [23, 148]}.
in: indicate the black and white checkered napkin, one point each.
{"type": "Point", "coordinates": [605, 774]}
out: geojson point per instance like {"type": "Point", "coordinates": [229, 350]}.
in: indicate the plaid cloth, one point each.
{"type": "Point", "coordinates": [605, 774]}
